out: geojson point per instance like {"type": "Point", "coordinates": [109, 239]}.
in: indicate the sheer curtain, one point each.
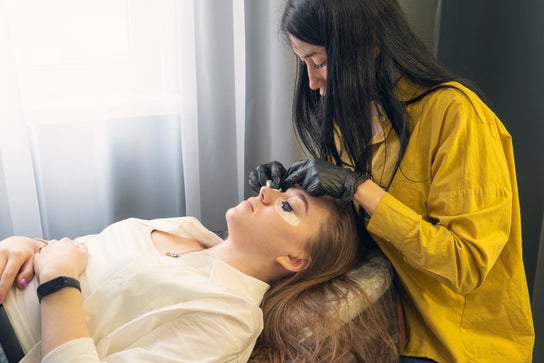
{"type": "Point", "coordinates": [115, 109]}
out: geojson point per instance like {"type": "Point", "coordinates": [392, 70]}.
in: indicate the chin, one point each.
{"type": "Point", "coordinates": [230, 215]}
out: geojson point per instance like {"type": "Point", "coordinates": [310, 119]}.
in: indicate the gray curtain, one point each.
{"type": "Point", "coordinates": [270, 79]}
{"type": "Point", "coordinates": [244, 87]}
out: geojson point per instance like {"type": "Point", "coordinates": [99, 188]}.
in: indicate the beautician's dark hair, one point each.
{"type": "Point", "coordinates": [369, 45]}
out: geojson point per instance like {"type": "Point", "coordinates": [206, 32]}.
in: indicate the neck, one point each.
{"type": "Point", "coordinates": [254, 265]}
{"type": "Point", "coordinates": [377, 118]}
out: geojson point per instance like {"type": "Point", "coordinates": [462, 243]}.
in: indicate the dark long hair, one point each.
{"type": "Point", "coordinates": [369, 45]}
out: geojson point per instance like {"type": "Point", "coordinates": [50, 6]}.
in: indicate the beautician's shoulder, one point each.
{"type": "Point", "coordinates": [454, 97]}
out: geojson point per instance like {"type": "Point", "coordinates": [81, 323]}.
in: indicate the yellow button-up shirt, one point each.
{"type": "Point", "coordinates": [450, 224]}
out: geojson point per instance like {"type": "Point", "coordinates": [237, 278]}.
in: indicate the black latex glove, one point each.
{"type": "Point", "coordinates": [319, 177]}
{"type": "Point", "coordinates": [274, 171]}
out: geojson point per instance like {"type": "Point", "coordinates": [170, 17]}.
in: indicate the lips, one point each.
{"type": "Point", "coordinates": [250, 202]}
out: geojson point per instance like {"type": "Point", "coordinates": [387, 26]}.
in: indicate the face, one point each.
{"type": "Point", "coordinates": [315, 59]}
{"type": "Point", "coordinates": [278, 223]}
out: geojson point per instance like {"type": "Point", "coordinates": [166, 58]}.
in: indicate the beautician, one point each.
{"type": "Point", "coordinates": [430, 166]}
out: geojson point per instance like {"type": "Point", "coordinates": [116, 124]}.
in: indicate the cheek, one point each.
{"type": "Point", "coordinates": [324, 76]}
{"type": "Point", "coordinates": [317, 74]}
{"type": "Point", "coordinates": [323, 72]}
{"type": "Point", "coordinates": [241, 220]}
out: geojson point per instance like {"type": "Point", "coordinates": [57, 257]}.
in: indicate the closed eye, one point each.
{"type": "Point", "coordinates": [286, 206]}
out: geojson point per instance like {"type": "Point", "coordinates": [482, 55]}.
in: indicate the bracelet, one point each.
{"type": "Point", "coordinates": [55, 285]}
{"type": "Point", "coordinates": [41, 240]}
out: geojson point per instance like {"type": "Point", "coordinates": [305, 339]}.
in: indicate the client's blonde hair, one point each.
{"type": "Point", "coordinates": [299, 324]}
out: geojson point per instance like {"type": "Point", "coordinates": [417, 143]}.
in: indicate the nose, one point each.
{"type": "Point", "coordinates": [266, 195]}
{"type": "Point", "coordinates": [316, 79]}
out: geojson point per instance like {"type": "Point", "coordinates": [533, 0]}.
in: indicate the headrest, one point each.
{"type": "Point", "coordinates": [375, 277]}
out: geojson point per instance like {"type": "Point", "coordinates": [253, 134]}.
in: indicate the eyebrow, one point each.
{"type": "Point", "coordinates": [304, 200]}
{"type": "Point", "coordinates": [311, 54]}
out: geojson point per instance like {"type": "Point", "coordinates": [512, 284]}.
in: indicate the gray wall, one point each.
{"type": "Point", "coordinates": [500, 45]}
{"type": "Point", "coordinates": [424, 16]}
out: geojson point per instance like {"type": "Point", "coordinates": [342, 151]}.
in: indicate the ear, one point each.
{"type": "Point", "coordinates": [293, 263]}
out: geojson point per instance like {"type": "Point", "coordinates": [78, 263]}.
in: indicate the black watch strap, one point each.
{"type": "Point", "coordinates": [55, 285]}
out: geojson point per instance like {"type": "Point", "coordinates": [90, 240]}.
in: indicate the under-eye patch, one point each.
{"type": "Point", "coordinates": [286, 212]}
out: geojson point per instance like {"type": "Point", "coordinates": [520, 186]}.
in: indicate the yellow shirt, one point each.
{"type": "Point", "coordinates": [450, 224]}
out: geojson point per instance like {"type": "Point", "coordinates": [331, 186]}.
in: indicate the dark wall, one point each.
{"type": "Point", "coordinates": [499, 44]}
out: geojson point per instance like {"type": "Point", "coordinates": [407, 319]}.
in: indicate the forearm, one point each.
{"type": "Point", "coordinates": [458, 250]}
{"type": "Point", "coordinates": [62, 318]}
{"type": "Point", "coordinates": [62, 315]}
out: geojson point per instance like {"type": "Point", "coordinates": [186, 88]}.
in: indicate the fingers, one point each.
{"type": "Point", "coordinates": [273, 171]}
{"type": "Point", "coordinates": [277, 173]}
{"type": "Point", "coordinates": [9, 273]}
{"type": "Point", "coordinates": [263, 173]}
{"type": "Point", "coordinates": [25, 274]}
{"type": "Point", "coordinates": [68, 243]}
{"type": "Point", "coordinates": [61, 258]}
{"type": "Point", "coordinates": [254, 181]}
{"type": "Point", "coordinates": [295, 174]}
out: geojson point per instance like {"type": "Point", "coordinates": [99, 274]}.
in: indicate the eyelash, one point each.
{"type": "Point", "coordinates": [316, 66]}
{"type": "Point", "coordinates": [286, 206]}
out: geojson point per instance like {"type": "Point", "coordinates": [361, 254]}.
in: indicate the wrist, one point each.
{"type": "Point", "coordinates": [50, 274]}
{"type": "Point", "coordinates": [362, 177]}
{"type": "Point", "coordinates": [369, 195]}
{"type": "Point", "coordinates": [39, 244]}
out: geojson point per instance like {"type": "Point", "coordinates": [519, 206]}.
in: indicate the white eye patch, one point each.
{"type": "Point", "coordinates": [288, 216]}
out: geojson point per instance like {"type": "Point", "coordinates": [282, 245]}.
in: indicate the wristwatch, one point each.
{"type": "Point", "coordinates": [55, 285]}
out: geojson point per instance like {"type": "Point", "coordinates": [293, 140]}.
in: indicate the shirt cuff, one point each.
{"type": "Point", "coordinates": [394, 221]}
{"type": "Point", "coordinates": [81, 350]}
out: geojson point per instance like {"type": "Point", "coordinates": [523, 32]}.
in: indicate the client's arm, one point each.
{"type": "Point", "coordinates": [62, 316]}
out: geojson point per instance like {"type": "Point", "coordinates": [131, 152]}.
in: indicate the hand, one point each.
{"type": "Point", "coordinates": [273, 171]}
{"type": "Point", "coordinates": [319, 177]}
{"type": "Point", "coordinates": [60, 258]}
{"type": "Point", "coordinates": [16, 262]}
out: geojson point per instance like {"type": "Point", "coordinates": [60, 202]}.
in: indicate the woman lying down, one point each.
{"type": "Point", "coordinates": [169, 290]}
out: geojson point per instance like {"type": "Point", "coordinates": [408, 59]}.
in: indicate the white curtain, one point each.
{"type": "Point", "coordinates": [114, 108]}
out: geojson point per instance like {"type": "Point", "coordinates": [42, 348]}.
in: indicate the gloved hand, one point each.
{"type": "Point", "coordinates": [274, 171]}
{"type": "Point", "coordinates": [319, 177]}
